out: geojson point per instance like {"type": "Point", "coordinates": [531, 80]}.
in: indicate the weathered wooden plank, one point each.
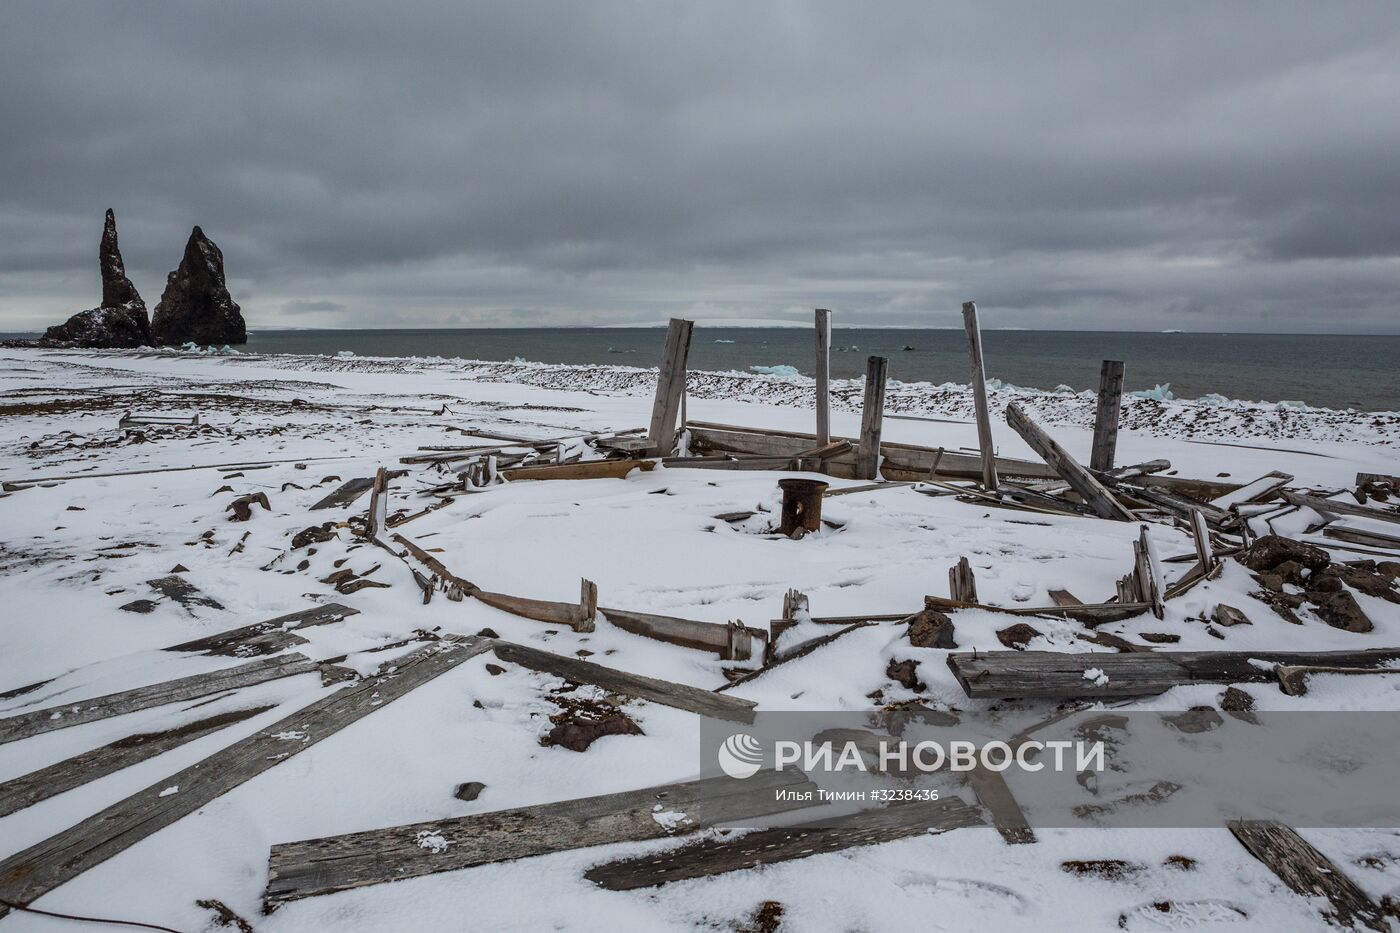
{"type": "Point", "coordinates": [1063, 674]}
{"type": "Point", "coordinates": [1260, 489]}
{"type": "Point", "coordinates": [183, 592]}
{"type": "Point", "coordinates": [670, 386]}
{"type": "Point", "coordinates": [732, 641]}
{"type": "Point", "coordinates": [899, 461]}
{"type": "Point", "coordinates": [339, 863]}
{"type": "Point", "coordinates": [823, 380]}
{"type": "Point", "coordinates": [1319, 504]}
{"type": "Point", "coordinates": [1179, 505]}
{"type": "Point", "coordinates": [378, 515]}
{"type": "Point", "coordinates": [1293, 678]}
{"type": "Point", "coordinates": [962, 583]}
{"type": "Point", "coordinates": [45, 865]}
{"type": "Point", "coordinates": [1065, 598]}
{"type": "Point", "coordinates": [590, 469]}
{"type": "Point", "coordinates": [36, 722]}
{"type": "Point", "coordinates": [768, 846]}
{"type": "Point", "coordinates": [1106, 415]}
{"type": "Point", "coordinates": [1089, 613]}
{"type": "Point", "coordinates": [266, 637]}
{"type": "Point", "coordinates": [29, 789]}
{"type": "Point", "coordinates": [799, 651]}
{"type": "Point", "coordinates": [1363, 478]}
{"type": "Point", "coordinates": [1081, 480]}
{"type": "Point", "coordinates": [679, 696]}
{"type": "Point", "coordinates": [1309, 873]}
{"type": "Point", "coordinates": [345, 494]}
{"type": "Point", "coordinates": [579, 617]}
{"type": "Point", "coordinates": [872, 418]}
{"type": "Point", "coordinates": [990, 481]}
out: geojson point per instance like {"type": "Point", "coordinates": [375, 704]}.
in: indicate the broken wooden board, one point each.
{"type": "Point", "coordinates": [1090, 614]}
{"type": "Point", "coordinates": [346, 494]}
{"type": "Point", "coordinates": [577, 616]}
{"type": "Point", "coordinates": [1309, 873]}
{"type": "Point", "coordinates": [339, 863]}
{"type": "Point", "coordinates": [733, 641]}
{"type": "Point", "coordinates": [591, 469]}
{"type": "Point", "coordinates": [36, 722]}
{"type": "Point", "coordinates": [994, 794]}
{"type": "Point", "coordinates": [799, 651]}
{"type": "Point", "coordinates": [1179, 505]}
{"type": "Point", "coordinates": [1261, 488]}
{"type": "Point", "coordinates": [898, 461]}
{"type": "Point", "coordinates": [767, 846]}
{"type": "Point", "coordinates": [1293, 678]}
{"type": "Point", "coordinates": [1365, 538]}
{"type": "Point", "coordinates": [1062, 674]}
{"type": "Point", "coordinates": [29, 789]}
{"type": "Point", "coordinates": [267, 637]}
{"type": "Point", "coordinates": [183, 592]}
{"type": "Point", "coordinates": [46, 865]}
{"type": "Point", "coordinates": [1094, 494]}
{"type": "Point", "coordinates": [679, 696]}
{"type": "Point", "coordinates": [1333, 507]}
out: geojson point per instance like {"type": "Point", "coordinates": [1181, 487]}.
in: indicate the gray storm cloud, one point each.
{"type": "Point", "coordinates": [1070, 165]}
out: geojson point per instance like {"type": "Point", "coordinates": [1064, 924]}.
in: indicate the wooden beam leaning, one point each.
{"type": "Point", "coordinates": [1106, 416]}
{"type": "Point", "coordinates": [340, 863]}
{"type": "Point", "coordinates": [36, 722]}
{"type": "Point", "coordinates": [823, 380]}
{"type": "Point", "coordinates": [670, 386]}
{"type": "Point", "coordinates": [1309, 873]}
{"type": "Point", "coordinates": [1094, 494]}
{"type": "Point", "coordinates": [979, 396]}
{"type": "Point", "coordinates": [1064, 674]}
{"type": "Point", "coordinates": [63, 776]}
{"type": "Point", "coordinates": [46, 865]}
{"type": "Point", "coordinates": [733, 641]}
{"type": "Point", "coordinates": [872, 418]}
{"type": "Point", "coordinates": [679, 696]}
{"type": "Point", "coordinates": [764, 847]}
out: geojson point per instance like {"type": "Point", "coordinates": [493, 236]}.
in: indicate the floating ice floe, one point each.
{"type": "Point", "coordinates": [782, 369]}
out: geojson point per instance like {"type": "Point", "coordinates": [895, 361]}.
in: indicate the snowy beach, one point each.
{"type": "Point", "coordinates": [92, 512]}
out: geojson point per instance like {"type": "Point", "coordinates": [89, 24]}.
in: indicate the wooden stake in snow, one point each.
{"type": "Point", "coordinates": [823, 377]}
{"type": "Point", "coordinates": [979, 396]}
{"type": "Point", "coordinates": [1094, 494]}
{"type": "Point", "coordinates": [378, 505]}
{"type": "Point", "coordinates": [962, 585]}
{"type": "Point", "coordinates": [1106, 418]}
{"type": "Point", "coordinates": [872, 418]}
{"type": "Point", "coordinates": [670, 386]}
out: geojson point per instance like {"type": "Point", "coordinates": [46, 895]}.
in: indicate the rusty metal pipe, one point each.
{"type": "Point", "coordinates": [802, 504]}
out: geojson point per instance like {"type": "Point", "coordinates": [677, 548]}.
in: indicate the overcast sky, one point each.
{"type": "Point", "coordinates": [1125, 166]}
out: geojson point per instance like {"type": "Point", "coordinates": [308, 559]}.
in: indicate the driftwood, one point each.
{"type": "Point", "coordinates": [340, 863]}
{"type": "Point", "coordinates": [1093, 492]}
{"type": "Point", "coordinates": [670, 387]}
{"type": "Point", "coordinates": [679, 696]}
{"type": "Point", "coordinates": [990, 480]}
{"type": "Point", "coordinates": [1309, 873]}
{"type": "Point", "coordinates": [1106, 415]}
{"type": "Point", "coordinates": [768, 846]}
{"type": "Point", "coordinates": [579, 617]}
{"type": "Point", "coordinates": [898, 461]}
{"type": "Point", "coordinates": [345, 494]}
{"type": "Point", "coordinates": [1332, 506]}
{"type": "Point", "coordinates": [29, 789]}
{"type": "Point", "coordinates": [39, 869]}
{"type": "Point", "coordinates": [76, 713]}
{"type": "Point", "coordinates": [1061, 674]}
{"type": "Point", "coordinates": [733, 642]}
{"type": "Point", "coordinates": [267, 637]}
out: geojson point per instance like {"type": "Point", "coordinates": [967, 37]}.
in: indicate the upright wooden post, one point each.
{"type": "Point", "coordinates": [670, 386]}
{"type": "Point", "coordinates": [1106, 419]}
{"type": "Point", "coordinates": [979, 396]}
{"type": "Point", "coordinates": [823, 377]}
{"type": "Point", "coordinates": [872, 418]}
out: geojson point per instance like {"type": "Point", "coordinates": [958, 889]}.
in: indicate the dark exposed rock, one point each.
{"type": "Point", "coordinates": [1340, 610]}
{"type": "Point", "coordinates": [312, 535]}
{"type": "Point", "coordinates": [1370, 582]}
{"type": "Point", "coordinates": [1112, 869]}
{"type": "Point", "coordinates": [578, 732]}
{"type": "Point", "coordinates": [1196, 719]}
{"type": "Point", "coordinates": [120, 321]}
{"type": "Point", "coordinates": [1160, 638]}
{"type": "Point", "coordinates": [1268, 552]}
{"type": "Point", "coordinates": [469, 791]}
{"type": "Point", "coordinates": [196, 305]}
{"type": "Point", "coordinates": [1235, 700]}
{"type": "Point", "coordinates": [1016, 636]}
{"type": "Point", "coordinates": [905, 673]}
{"type": "Point", "coordinates": [931, 629]}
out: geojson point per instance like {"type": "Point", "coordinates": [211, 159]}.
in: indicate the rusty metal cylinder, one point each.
{"type": "Point", "coordinates": [802, 504]}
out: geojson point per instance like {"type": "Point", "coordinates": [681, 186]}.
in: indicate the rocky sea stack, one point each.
{"type": "Point", "coordinates": [120, 321]}
{"type": "Point", "coordinates": [196, 305]}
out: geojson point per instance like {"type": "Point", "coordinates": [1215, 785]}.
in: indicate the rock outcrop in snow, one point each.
{"type": "Point", "coordinates": [120, 321]}
{"type": "Point", "coordinates": [196, 305]}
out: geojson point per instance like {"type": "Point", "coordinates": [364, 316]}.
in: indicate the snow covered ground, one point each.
{"type": "Point", "coordinates": [72, 552]}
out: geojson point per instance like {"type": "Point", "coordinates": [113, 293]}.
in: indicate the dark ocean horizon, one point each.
{"type": "Point", "coordinates": [1330, 371]}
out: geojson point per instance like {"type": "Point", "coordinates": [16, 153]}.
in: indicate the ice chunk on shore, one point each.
{"type": "Point", "coordinates": [782, 369]}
